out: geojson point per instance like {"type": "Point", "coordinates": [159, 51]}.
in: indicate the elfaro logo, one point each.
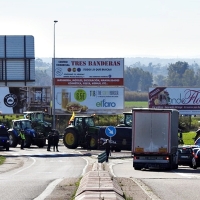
{"type": "Point", "coordinates": [105, 104]}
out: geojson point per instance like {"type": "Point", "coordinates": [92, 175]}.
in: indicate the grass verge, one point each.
{"type": "Point", "coordinates": [2, 160]}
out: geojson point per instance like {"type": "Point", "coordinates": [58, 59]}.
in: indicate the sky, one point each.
{"type": "Point", "coordinates": [106, 28]}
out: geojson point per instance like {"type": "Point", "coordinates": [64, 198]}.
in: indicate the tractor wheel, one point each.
{"type": "Point", "coordinates": [93, 143]}
{"type": "Point", "coordinates": [27, 142]}
{"type": "Point", "coordinates": [70, 139]}
{"type": "Point", "coordinates": [13, 140]}
{"type": "Point", "coordinates": [41, 143]}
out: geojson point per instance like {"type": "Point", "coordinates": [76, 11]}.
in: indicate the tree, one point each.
{"type": "Point", "coordinates": [175, 73]}
{"type": "Point", "coordinates": [42, 78]}
{"type": "Point", "coordinates": [137, 79]}
{"type": "Point", "coordinates": [189, 78]}
{"type": "Point", "coordinates": [160, 80]}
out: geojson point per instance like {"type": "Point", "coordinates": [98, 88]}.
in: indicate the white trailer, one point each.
{"type": "Point", "coordinates": [155, 138]}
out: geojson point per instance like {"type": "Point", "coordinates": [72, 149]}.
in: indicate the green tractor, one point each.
{"type": "Point", "coordinates": [81, 132]}
{"type": "Point", "coordinates": [38, 123]}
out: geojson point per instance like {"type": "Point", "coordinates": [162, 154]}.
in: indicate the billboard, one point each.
{"type": "Point", "coordinates": [89, 72]}
{"type": "Point", "coordinates": [16, 100]}
{"type": "Point", "coordinates": [186, 100]}
{"type": "Point", "coordinates": [93, 100]}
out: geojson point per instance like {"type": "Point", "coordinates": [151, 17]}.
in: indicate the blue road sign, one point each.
{"type": "Point", "coordinates": [110, 131]}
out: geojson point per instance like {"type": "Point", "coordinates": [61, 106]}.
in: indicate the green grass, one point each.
{"type": "Point", "coordinates": [136, 104]}
{"type": "Point", "coordinates": [2, 160]}
{"type": "Point", "coordinates": [188, 137]}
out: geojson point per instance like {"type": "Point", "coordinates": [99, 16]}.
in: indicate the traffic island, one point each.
{"type": "Point", "coordinates": [98, 184]}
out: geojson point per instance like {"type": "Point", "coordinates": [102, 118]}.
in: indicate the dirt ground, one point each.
{"type": "Point", "coordinates": [67, 188]}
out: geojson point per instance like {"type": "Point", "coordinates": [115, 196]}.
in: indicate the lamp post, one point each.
{"type": "Point", "coordinates": [53, 79]}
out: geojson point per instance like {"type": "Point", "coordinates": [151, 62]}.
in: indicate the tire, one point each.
{"type": "Point", "coordinates": [93, 143]}
{"type": "Point", "coordinates": [7, 147]}
{"type": "Point", "coordinates": [27, 142]}
{"type": "Point", "coordinates": [70, 139]}
{"type": "Point", "coordinates": [137, 168]}
{"type": "Point", "coordinates": [41, 143]}
{"type": "Point", "coordinates": [117, 150]}
{"type": "Point", "coordinates": [13, 140]}
{"type": "Point", "coordinates": [194, 167]}
{"type": "Point", "coordinates": [175, 166]}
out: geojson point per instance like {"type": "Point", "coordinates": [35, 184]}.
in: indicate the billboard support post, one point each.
{"type": "Point", "coordinates": [53, 81]}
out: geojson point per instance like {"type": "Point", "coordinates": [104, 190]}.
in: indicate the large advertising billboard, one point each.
{"type": "Point", "coordinates": [87, 72]}
{"type": "Point", "coordinates": [186, 100]}
{"type": "Point", "coordinates": [93, 100]}
{"type": "Point", "coordinates": [16, 100]}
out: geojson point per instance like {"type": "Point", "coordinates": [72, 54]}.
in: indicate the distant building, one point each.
{"type": "Point", "coordinates": [17, 60]}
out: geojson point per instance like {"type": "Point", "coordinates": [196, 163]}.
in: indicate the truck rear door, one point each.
{"type": "Point", "coordinates": [150, 132]}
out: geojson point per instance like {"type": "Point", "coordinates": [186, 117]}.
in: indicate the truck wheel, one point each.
{"type": "Point", "coordinates": [117, 150]}
{"type": "Point", "coordinates": [175, 166]}
{"type": "Point", "coordinates": [27, 142]}
{"type": "Point", "coordinates": [93, 143]}
{"type": "Point", "coordinates": [70, 139]}
{"type": "Point", "coordinates": [194, 167]}
{"type": "Point", "coordinates": [137, 168]}
{"type": "Point", "coordinates": [13, 140]}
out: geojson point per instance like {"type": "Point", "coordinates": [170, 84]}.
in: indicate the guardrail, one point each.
{"type": "Point", "coordinates": [102, 157]}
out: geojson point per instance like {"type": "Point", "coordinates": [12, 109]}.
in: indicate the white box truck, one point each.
{"type": "Point", "coordinates": [155, 138]}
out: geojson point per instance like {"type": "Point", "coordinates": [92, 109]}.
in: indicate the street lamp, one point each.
{"type": "Point", "coordinates": [53, 80]}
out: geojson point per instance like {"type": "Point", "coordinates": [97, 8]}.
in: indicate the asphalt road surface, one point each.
{"type": "Point", "coordinates": [40, 170]}
{"type": "Point", "coordinates": [180, 184]}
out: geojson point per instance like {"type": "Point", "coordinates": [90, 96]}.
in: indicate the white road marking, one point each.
{"type": "Point", "coordinates": [26, 167]}
{"type": "Point", "coordinates": [49, 189]}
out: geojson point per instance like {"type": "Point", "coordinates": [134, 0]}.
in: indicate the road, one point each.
{"type": "Point", "coordinates": [40, 169]}
{"type": "Point", "coordinates": [179, 184]}
{"type": "Point", "coordinates": [43, 169]}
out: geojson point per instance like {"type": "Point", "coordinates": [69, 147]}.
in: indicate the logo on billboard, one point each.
{"type": "Point", "coordinates": [10, 100]}
{"type": "Point", "coordinates": [58, 71]}
{"type": "Point", "coordinates": [106, 104]}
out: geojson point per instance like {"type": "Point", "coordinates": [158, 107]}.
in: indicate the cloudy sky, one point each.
{"type": "Point", "coordinates": [106, 28]}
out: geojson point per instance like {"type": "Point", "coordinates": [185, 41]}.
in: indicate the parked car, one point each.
{"type": "Point", "coordinates": [197, 142]}
{"type": "Point", "coordinates": [185, 155]}
{"type": "Point", "coordinates": [194, 150]}
{"type": "Point", "coordinates": [196, 160]}
{"type": "Point", "coordinates": [4, 138]}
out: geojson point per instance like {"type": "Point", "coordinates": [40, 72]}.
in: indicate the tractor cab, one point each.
{"type": "Point", "coordinates": [126, 121]}
{"type": "Point", "coordinates": [38, 123]}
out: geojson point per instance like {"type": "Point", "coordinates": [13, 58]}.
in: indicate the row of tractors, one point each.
{"type": "Point", "coordinates": [81, 132]}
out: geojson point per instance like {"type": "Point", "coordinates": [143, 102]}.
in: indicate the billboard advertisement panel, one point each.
{"type": "Point", "coordinates": [186, 100]}
{"type": "Point", "coordinates": [93, 100]}
{"type": "Point", "coordinates": [16, 100]}
{"type": "Point", "coordinates": [87, 72]}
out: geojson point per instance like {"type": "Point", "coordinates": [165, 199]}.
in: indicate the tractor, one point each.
{"type": "Point", "coordinates": [4, 138]}
{"type": "Point", "coordinates": [81, 132]}
{"type": "Point", "coordinates": [32, 137]}
{"type": "Point", "coordinates": [38, 123]}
